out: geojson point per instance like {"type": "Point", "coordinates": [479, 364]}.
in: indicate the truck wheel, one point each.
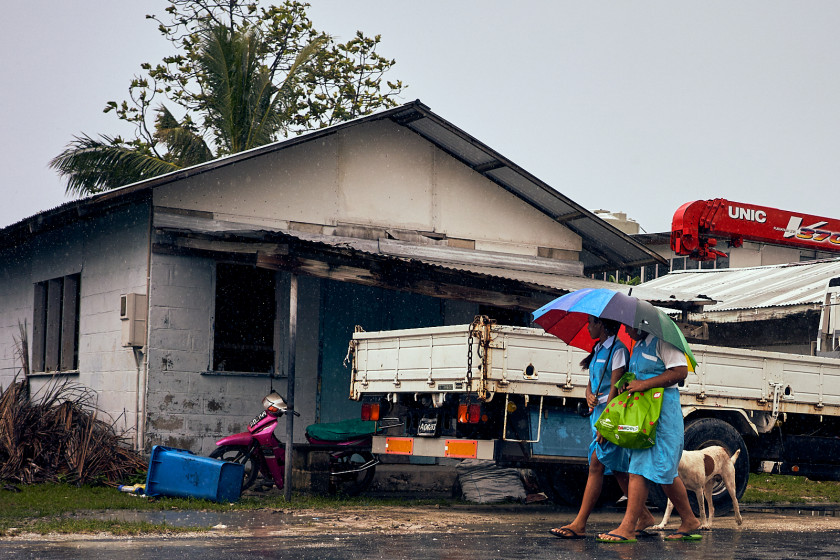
{"type": "Point", "coordinates": [706, 432]}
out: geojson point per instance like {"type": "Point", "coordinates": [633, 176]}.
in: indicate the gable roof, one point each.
{"type": "Point", "coordinates": [603, 246]}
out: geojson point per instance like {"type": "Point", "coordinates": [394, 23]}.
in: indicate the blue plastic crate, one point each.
{"type": "Point", "coordinates": [183, 474]}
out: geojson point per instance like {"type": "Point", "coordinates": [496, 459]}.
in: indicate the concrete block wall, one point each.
{"type": "Point", "coordinates": [110, 254]}
{"type": "Point", "coordinates": [188, 406]}
{"type": "Point", "coordinates": [16, 295]}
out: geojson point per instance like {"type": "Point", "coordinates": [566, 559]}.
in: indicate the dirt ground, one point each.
{"type": "Point", "coordinates": [434, 519]}
{"type": "Point", "coordinates": [533, 518]}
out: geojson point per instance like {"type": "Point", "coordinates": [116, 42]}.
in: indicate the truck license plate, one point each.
{"type": "Point", "coordinates": [427, 427]}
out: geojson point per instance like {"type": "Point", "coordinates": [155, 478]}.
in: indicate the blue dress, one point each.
{"type": "Point", "coordinates": [613, 457]}
{"type": "Point", "coordinates": [658, 463]}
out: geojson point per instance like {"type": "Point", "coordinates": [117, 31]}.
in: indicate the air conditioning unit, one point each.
{"type": "Point", "coordinates": [133, 316]}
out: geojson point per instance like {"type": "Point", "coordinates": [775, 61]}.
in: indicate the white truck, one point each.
{"type": "Point", "coordinates": [516, 395]}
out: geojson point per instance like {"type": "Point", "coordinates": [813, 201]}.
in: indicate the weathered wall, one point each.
{"type": "Point", "coordinates": [15, 306]}
{"type": "Point", "coordinates": [110, 253]}
{"type": "Point", "coordinates": [190, 407]}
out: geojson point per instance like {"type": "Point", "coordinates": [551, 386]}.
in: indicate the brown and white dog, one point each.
{"type": "Point", "coordinates": [698, 471]}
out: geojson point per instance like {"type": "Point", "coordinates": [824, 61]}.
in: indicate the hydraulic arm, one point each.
{"type": "Point", "coordinates": [699, 226]}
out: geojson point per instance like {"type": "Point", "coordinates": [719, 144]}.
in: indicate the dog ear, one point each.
{"type": "Point", "coordinates": [708, 464]}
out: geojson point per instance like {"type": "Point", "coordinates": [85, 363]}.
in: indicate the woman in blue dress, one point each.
{"type": "Point", "coordinates": [657, 363]}
{"type": "Point", "coordinates": [606, 364]}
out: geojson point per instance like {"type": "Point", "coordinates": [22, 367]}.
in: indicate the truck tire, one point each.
{"type": "Point", "coordinates": [706, 432]}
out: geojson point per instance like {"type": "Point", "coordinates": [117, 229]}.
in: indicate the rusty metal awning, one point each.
{"type": "Point", "coordinates": [509, 280]}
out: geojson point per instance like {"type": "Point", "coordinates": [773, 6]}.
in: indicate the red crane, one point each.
{"type": "Point", "coordinates": [698, 226]}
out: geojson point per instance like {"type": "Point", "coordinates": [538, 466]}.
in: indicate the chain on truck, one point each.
{"type": "Point", "coordinates": [516, 395]}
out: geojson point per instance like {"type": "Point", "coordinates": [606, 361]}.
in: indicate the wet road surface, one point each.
{"type": "Point", "coordinates": [432, 535]}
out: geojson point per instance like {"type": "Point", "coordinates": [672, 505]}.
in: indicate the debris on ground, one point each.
{"type": "Point", "coordinates": [55, 436]}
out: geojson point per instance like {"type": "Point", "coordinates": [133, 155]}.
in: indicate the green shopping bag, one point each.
{"type": "Point", "coordinates": [630, 419]}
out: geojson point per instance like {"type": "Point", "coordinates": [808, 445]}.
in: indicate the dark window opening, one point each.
{"type": "Point", "coordinates": [55, 325]}
{"type": "Point", "coordinates": [244, 325]}
{"type": "Point", "coordinates": [504, 316]}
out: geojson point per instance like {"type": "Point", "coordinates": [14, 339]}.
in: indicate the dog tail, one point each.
{"type": "Point", "coordinates": [735, 456]}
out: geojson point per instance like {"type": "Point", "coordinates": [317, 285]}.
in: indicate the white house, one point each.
{"type": "Point", "coordinates": [170, 297]}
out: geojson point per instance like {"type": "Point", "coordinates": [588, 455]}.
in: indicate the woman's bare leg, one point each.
{"type": "Point", "coordinates": [637, 491]}
{"type": "Point", "coordinates": [594, 484]}
{"type": "Point", "coordinates": [677, 494]}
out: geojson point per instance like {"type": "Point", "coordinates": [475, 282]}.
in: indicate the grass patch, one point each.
{"type": "Point", "coordinates": [62, 508]}
{"type": "Point", "coordinates": [783, 489]}
{"type": "Point", "coordinates": [94, 526]}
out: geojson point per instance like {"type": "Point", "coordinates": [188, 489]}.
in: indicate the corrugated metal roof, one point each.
{"type": "Point", "coordinates": [547, 275]}
{"type": "Point", "coordinates": [757, 287]}
{"type": "Point", "coordinates": [604, 246]}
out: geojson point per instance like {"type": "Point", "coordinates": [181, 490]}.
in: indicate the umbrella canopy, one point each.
{"type": "Point", "coordinates": [567, 316]}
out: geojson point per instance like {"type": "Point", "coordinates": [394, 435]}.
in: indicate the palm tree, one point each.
{"type": "Point", "coordinates": [241, 106]}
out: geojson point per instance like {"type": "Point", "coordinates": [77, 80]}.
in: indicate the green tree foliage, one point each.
{"type": "Point", "coordinates": [243, 76]}
{"type": "Point", "coordinates": [630, 281]}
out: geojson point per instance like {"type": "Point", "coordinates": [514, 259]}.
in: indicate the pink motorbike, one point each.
{"type": "Point", "coordinates": [352, 464]}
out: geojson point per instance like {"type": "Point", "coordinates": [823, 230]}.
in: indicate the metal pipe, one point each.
{"type": "Point", "coordinates": [290, 390]}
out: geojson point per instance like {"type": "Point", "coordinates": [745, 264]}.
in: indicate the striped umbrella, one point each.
{"type": "Point", "coordinates": [567, 316]}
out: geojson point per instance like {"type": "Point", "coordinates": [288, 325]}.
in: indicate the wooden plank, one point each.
{"type": "Point", "coordinates": [70, 324]}
{"type": "Point", "coordinates": [39, 326]}
{"type": "Point", "coordinates": [53, 330]}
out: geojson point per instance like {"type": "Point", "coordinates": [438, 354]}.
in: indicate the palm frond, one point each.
{"type": "Point", "coordinates": [247, 109]}
{"type": "Point", "coordinates": [183, 143]}
{"type": "Point", "coordinates": [91, 166]}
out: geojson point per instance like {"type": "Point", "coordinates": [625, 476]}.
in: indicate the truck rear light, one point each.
{"type": "Point", "coordinates": [469, 413]}
{"type": "Point", "coordinates": [462, 413]}
{"type": "Point", "coordinates": [474, 413]}
{"type": "Point", "coordinates": [370, 411]}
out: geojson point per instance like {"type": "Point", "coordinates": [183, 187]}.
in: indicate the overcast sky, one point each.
{"type": "Point", "coordinates": [627, 106]}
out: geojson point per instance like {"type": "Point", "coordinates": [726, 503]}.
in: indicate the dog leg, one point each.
{"type": "Point", "coordinates": [668, 509]}
{"type": "Point", "coordinates": [729, 480]}
{"type": "Point", "coordinates": [730, 487]}
{"type": "Point", "coordinates": [707, 490]}
{"type": "Point", "coordinates": [704, 523]}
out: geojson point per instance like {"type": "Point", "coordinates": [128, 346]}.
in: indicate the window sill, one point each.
{"type": "Point", "coordinates": [53, 373]}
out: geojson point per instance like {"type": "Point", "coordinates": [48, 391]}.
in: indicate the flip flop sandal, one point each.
{"type": "Point", "coordinates": [682, 536]}
{"type": "Point", "coordinates": [616, 539]}
{"type": "Point", "coordinates": [566, 533]}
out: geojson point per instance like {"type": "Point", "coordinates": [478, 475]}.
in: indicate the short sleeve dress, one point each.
{"type": "Point", "coordinates": [650, 358]}
{"type": "Point", "coordinates": [613, 457]}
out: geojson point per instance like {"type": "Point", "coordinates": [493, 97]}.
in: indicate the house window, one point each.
{"type": "Point", "coordinates": [55, 325]}
{"type": "Point", "coordinates": [243, 338]}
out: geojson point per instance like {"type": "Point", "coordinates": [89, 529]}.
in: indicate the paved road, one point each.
{"type": "Point", "coordinates": [425, 533]}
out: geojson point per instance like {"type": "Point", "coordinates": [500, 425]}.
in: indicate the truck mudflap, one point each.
{"type": "Point", "coordinates": [455, 448]}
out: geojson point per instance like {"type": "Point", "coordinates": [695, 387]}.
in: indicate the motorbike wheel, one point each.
{"type": "Point", "coordinates": [239, 454]}
{"type": "Point", "coordinates": [343, 479]}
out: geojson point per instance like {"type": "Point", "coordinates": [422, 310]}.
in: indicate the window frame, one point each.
{"type": "Point", "coordinates": [55, 325]}
{"type": "Point", "coordinates": [273, 339]}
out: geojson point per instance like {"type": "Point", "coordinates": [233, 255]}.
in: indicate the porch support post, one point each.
{"type": "Point", "coordinates": [290, 390]}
